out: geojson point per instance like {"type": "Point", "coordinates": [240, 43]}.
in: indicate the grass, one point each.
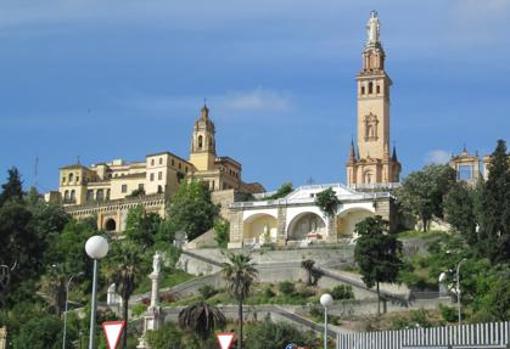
{"type": "Point", "coordinates": [262, 293]}
{"type": "Point", "coordinates": [170, 278]}
{"type": "Point", "coordinates": [418, 234]}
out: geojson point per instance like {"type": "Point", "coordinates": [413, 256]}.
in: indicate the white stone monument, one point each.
{"type": "Point", "coordinates": [152, 318]}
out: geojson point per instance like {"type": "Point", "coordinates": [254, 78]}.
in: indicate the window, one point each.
{"type": "Point", "coordinates": [362, 90]}
{"type": "Point", "coordinates": [378, 88]}
{"type": "Point", "coordinates": [99, 195]}
{"type": "Point", "coordinates": [108, 194]}
{"type": "Point", "coordinates": [66, 195]}
{"type": "Point", "coordinates": [186, 169]}
{"type": "Point", "coordinates": [200, 142]}
{"type": "Point", "coordinates": [160, 175]}
{"type": "Point", "coordinates": [90, 195]}
{"type": "Point", "coordinates": [124, 188]}
{"type": "Point", "coordinates": [140, 186]}
{"type": "Point", "coordinates": [152, 162]}
{"type": "Point", "coordinates": [70, 177]}
{"type": "Point", "coordinates": [77, 179]}
{"type": "Point", "coordinates": [160, 189]}
{"type": "Point", "coordinates": [160, 161]}
{"type": "Point", "coordinates": [73, 195]}
{"type": "Point", "coordinates": [465, 172]}
{"type": "Point", "coordinates": [370, 87]}
{"type": "Point", "coordinates": [173, 162]}
{"type": "Point", "coordinates": [152, 177]}
{"type": "Point", "coordinates": [63, 180]}
{"type": "Point", "coordinates": [180, 165]}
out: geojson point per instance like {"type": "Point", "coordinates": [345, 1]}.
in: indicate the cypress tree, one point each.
{"type": "Point", "coordinates": [12, 189]}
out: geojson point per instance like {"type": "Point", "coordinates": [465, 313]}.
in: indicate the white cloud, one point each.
{"type": "Point", "coordinates": [256, 100]}
{"type": "Point", "coordinates": [437, 157]}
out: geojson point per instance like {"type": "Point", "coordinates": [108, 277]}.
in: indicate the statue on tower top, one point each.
{"type": "Point", "coordinates": [373, 29]}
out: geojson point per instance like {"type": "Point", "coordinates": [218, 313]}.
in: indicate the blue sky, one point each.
{"type": "Point", "coordinates": [123, 78]}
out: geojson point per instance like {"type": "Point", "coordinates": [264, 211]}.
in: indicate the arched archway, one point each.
{"type": "Point", "coordinates": [110, 225]}
{"type": "Point", "coordinates": [260, 228]}
{"type": "Point", "coordinates": [304, 224]}
{"type": "Point", "coordinates": [347, 220]}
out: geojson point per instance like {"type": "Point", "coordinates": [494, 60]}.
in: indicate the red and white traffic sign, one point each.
{"type": "Point", "coordinates": [225, 340]}
{"type": "Point", "coordinates": [113, 332]}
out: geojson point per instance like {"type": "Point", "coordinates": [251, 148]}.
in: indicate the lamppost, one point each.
{"type": "Point", "coordinates": [458, 289]}
{"type": "Point", "coordinates": [326, 301]}
{"type": "Point", "coordinates": [96, 248]}
{"type": "Point", "coordinates": [65, 308]}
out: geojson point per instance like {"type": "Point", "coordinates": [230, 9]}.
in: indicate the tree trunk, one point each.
{"type": "Point", "coordinates": [378, 300]}
{"type": "Point", "coordinates": [425, 222]}
{"type": "Point", "coordinates": [240, 339]}
{"type": "Point", "coordinates": [125, 314]}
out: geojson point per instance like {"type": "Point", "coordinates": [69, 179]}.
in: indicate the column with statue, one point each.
{"type": "Point", "coordinates": [152, 318]}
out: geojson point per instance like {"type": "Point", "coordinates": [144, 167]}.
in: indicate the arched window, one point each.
{"type": "Point", "coordinates": [99, 195]}
{"type": "Point", "coordinates": [73, 195]}
{"type": "Point", "coordinates": [362, 90]}
{"type": "Point", "coordinates": [160, 189]}
{"type": "Point", "coordinates": [378, 88]}
{"type": "Point", "coordinates": [70, 177]}
{"type": "Point", "coordinates": [66, 195]}
{"type": "Point", "coordinates": [200, 142]}
{"type": "Point", "coordinates": [367, 177]}
{"type": "Point", "coordinates": [370, 88]}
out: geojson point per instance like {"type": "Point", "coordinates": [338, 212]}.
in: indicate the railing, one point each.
{"type": "Point", "coordinates": [473, 336]}
{"type": "Point", "coordinates": [376, 186]}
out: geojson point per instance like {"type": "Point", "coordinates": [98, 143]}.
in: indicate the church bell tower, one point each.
{"type": "Point", "coordinates": [203, 143]}
{"type": "Point", "coordinates": [372, 163]}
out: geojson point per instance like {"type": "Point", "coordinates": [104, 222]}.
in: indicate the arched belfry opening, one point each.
{"type": "Point", "coordinates": [110, 225]}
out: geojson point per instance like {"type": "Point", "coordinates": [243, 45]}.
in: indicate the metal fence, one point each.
{"type": "Point", "coordinates": [474, 336]}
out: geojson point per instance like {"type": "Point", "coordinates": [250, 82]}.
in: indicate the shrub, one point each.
{"type": "Point", "coordinates": [449, 314]}
{"type": "Point", "coordinates": [268, 292]}
{"type": "Point", "coordinates": [207, 291]}
{"type": "Point", "coordinates": [286, 287]}
{"type": "Point", "coordinates": [342, 292]}
{"type": "Point", "coordinates": [268, 334]}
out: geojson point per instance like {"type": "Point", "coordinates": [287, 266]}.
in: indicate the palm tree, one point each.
{"type": "Point", "coordinates": [239, 274]}
{"type": "Point", "coordinates": [123, 268]}
{"type": "Point", "coordinates": [201, 318]}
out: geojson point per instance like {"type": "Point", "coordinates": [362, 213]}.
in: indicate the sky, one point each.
{"type": "Point", "coordinates": [102, 80]}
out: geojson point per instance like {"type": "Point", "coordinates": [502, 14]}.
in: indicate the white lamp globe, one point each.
{"type": "Point", "coordinates": [96, 247]}
{"type": "Point", "coordinates": [326, 299]}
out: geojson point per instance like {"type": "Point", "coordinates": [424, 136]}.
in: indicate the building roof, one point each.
{"type": "Point", "coordinates": [168, 153]}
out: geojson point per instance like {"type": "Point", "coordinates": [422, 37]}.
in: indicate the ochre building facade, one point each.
{"type": "Point", "coordinates": [107, 190]}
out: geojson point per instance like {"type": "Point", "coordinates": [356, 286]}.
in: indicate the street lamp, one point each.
{"type": "Point", "coordinates": [458, 289]}
{"type": "Point", "coordinates": [96, 248]}
{"type": "Point", "coordinates": [65, 311]}
{"type": "Point", "coordinates": [326, 301]}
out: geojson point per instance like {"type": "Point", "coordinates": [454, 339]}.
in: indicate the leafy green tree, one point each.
{"type": "Point", "coordinates": [142, 227]}
{"type": "Point", "coordinates": [328, 202]}
{"type": "Point", "coordinates": [201, 319]}
{"type": "Point", "coordinates": [221, 232]}
{"type": "Point", "coordinates": [191, 209]}
{"type": "Point", "coordinates": [377, 254]}
{"type": "Point", "coordinates": [494, 233]}
{"type": "Point", "coordinates": [422, 192]}
{"type": "Point", "coordinates": [13, 188]}
{"type": "Point", "coordinates": [276, 335]}
{"type": "Point", "coordinates": [284, 190]}
{"type": "Point", "coordinates": [124, 267]}
{"type": "Point", "coordinates": [166, 337]}
{"type": "Point", "coordinates": [19, 246]}
{"type": "Point", "coordinates": [42, 332]}
{"type": "Point", "coordinates": [459, 208]}
{"type": "Point", "coordinates": [492, 302]}
{"type": "Point", "coordinates": [239, 274]}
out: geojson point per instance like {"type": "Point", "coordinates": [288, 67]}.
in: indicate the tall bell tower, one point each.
{"type": "Point", "coordinates": [203, 142]}
{"type": "Point", "coordinates": [372, 163]}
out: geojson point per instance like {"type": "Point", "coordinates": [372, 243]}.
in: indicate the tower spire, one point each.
{"type": "Point", "coordinates": [352, 153]}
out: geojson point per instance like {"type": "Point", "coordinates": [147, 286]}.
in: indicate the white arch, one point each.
{"type": "Point", "coordinates": [291, 226]}
{"type": "Point", "coordinates": [251, 215]}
